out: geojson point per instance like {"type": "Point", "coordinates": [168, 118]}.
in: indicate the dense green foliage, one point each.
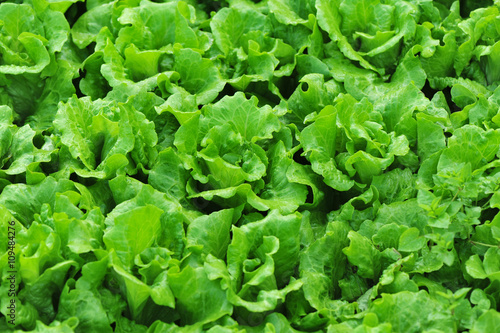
{"type": "Point", "coordinates": [245, 166]}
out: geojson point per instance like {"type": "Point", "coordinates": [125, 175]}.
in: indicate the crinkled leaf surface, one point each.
{"type": "Point", "coordinates": [249, 166]}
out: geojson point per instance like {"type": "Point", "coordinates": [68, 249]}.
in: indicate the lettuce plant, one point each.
{"type": "Point", "coordinates": [249, 166]}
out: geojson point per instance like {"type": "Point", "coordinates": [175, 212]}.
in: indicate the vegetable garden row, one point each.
{"type": "Point", "coordinates": [249, 166]}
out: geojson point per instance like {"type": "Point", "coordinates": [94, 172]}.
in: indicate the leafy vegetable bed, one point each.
{"type": "Point", "coordinates": [274, 166]}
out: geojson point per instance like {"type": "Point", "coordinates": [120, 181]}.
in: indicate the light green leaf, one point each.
{"type": "Point", "coordinates": [487, 322]}
{"type": "Point", "coordinates": [198, 75]}
{"type": "Point", "coordinates": [363, 254]}
{"type": "Point", "coordinates": [292, 12]}
{"type": "Point", "coordinates": [212, 232]}
{"type": "Point", "coordinates": [411, 241]}
{"type": "Point", "coordinates": [129, 238]}
{"type": "Point", "coordinates": [329, 19]}
{"type": "Point", "coordinates": [206, 305]}
{"type": "Point", "coordinates": [417, 309]}
{"type": "Point", "coordinates": [229, 25]}
{"type": "Point", "coordinates": [251, 121]}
